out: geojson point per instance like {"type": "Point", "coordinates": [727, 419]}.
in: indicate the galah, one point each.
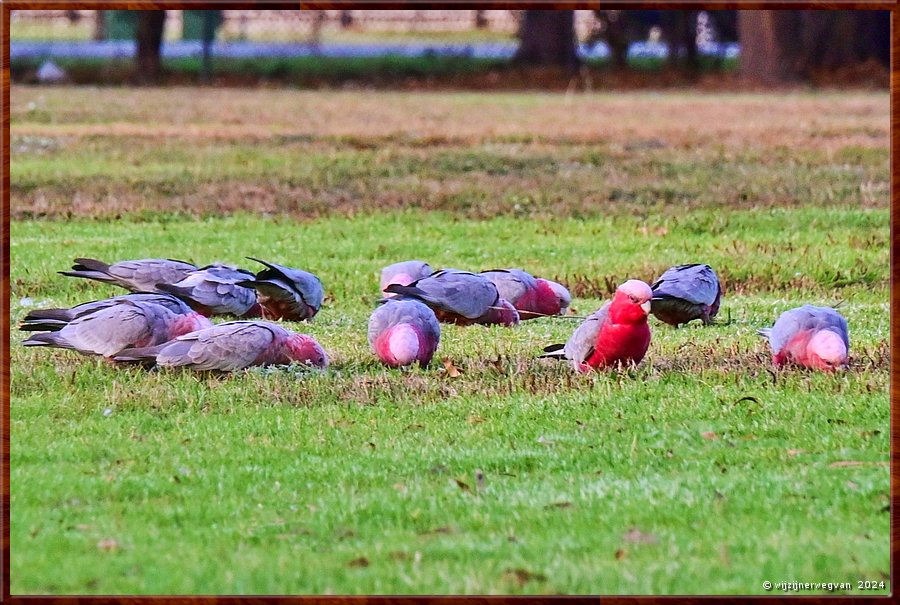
{"type": "Point", "coordinates": [286, 293]}
{"type": "Point", "coordinates": [216, 290]}
{"type": "Point", "coordinates": [110, 330]}
{"type": "Point", "coordinates": [615, 333]}
{"type": "Point", "coordinates": [460, 297]}
{"type": "Point", "coordinates": [403, 273]}
{"type": "Point", "coordinates": [685, 293]}
{"type": "Point", "coordinates": [813, 337]}
{"type": "Point", "coordinates": [135, 275]}
{"type": "Point", "coordinates": [55, 319]}
{"type": "Point", "coordinates": [532, 296]}
{"type": "Point", "coordinates": [231, 346]}
{"type": "Point", "coordinates": [403, 331]}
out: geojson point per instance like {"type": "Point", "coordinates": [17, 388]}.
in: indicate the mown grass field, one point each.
{"type": "Point", "coordinates": [700, 471]}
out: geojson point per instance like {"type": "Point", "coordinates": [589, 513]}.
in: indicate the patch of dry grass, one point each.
{"type": "Point", "coordinates": [798, 121]}
{"type": "Point", "coordinates": [311, 154]}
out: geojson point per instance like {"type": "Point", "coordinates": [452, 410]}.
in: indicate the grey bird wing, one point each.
{"type": "Point", "coordinates": [512, 284]}
{"type": "Point", "coordinates": [403, 311]}
{"type": "Point", "coordinates": [697, 284]}
{"type": "Point", "coordinates": [460, 292]}
{"type": "Point", "coordinates": [118, 327]}
{"type": "Point", "coordinates": [285, 283]}
{"type": "Point", "coordinates": [162, 299]}
{"type": "Point", "coordinates": [581, 344]}
{"type": "Point", "coordinates": [792, 321]}
{"type": "Point", "coordinates": [55, 319]}
{"type": "Point", "coordinates": [216, 288]}
{"type": "Point", "coordinates": [226, 347]}
{"type": "Point", "coordinates": [137, 275]}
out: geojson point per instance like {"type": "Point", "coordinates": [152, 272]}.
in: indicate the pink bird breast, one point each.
{"type": "Point", "coordinates": [402, 345]}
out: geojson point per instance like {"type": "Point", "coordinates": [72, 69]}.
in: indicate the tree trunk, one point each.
{"type": "Point", "coordinates": [679, 29]}
{"type": "Point", "coordinates": [100, 25]}
{"type": "Point", "coordinates": [547, 37]}
{"type": "Point", "coordinates": [149, 35]}
{"type": "Point", "coordinates": [785, 46]}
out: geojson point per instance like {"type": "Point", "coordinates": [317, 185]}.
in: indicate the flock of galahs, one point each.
{"type": "Point", "coordinates": [164, 321]}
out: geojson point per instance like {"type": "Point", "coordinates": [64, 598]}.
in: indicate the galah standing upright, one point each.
{"type": "Point", "coordinates": [813, 337]}
{"type": "Point", "coordinates": [55, 319]}
{"type": "Point", "coordinates": [215, 290]}
{"type": "Point", "coordinates": [231, 346]}
{"type": "Point", "coordinates": [616, 333]}
{"type": "Point", "coordinates": [532, 296]}
{"type": "Point", "coordinates": [460, 297]}
{"type": "Point", "coordinates": [135, 275]}
{"type": "Point", "coordinates": [403, 331]}
{"type": "Point", "coordinates": [685, 293]}
{"type": "Point", "coordinates": [403, 273]}
{"type": "Point", "coordinates": [129, 324]}
{"type": "Point", "coordinates": [286, 293]}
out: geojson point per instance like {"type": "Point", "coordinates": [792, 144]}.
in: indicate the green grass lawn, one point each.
{"type": "Point", "coordinates": [701, 471]}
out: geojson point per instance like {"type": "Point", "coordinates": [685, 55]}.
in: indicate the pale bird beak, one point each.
{"type": "Point", "coordinates": [646, 307]}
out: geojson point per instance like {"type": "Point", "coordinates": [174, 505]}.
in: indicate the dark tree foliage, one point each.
{"type": "Point", "coordinates": [547, 37]}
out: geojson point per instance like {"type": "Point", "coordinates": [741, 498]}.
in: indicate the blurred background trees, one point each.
{"type": "Point", "coordinates": [785, 46]}
{"type": "Point", "coordinates": [766, 46]}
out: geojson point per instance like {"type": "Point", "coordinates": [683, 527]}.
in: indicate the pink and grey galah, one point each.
{"type": "Point", "coordinates": [685, 293]}
{"type": "Point", "coordinates": [53, 320]}
{"type": "Point", "coordinates": [216, 290]}
{"type": "Point", "coordinates": [460, 297]}
{"type": "Point", "coordinates": [532, 296]}
{"type": "Point", "coordinates": [134, 275]}
{"type": "Point", "coordinates": [812, 337]}
{"type": "Point", "coordinates": [403, 331]}
{"type": "Point", "coordinates": [616, 333]}
{"type": "Point", "coordinates": [286, 293]}
{"type": "Point", "coordinates": [232, 346]}
{"type": "Point", "coordinates": [403, 273]}
{"type": "Point", "coordinates": [110, 330]}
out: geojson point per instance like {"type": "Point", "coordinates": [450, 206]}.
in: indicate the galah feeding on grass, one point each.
{"type": "Point", "coordinates": [215, 290]}
{"type": "Point", "coordinates": [403, 331]}
{"type": "Point", "coordinates": [112, 329]}
{"type": "Point", "coordinates": [286, 293]}
{"type": "Point", "coordinates": [685, 293]}
{"type": "Point", "coordinates": [135, 275]}
{"type": "Point", "coordinates": [531, 296]}
{"type": "Point", "coordinates": [231, 346]}
{"type": "Point", "coordinates": [53, 320]}
{"type": "Point", "coordinates": [616, 333]}
{"type": "Point", "coordinates": [403, 273]}
{"type": "Point", "coordinates": [813, 337]}
{"type": "Point", "coordinates": [460, 297]}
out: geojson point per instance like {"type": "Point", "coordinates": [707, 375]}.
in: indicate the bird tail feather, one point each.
{"type": "Point", "coordinates": [140, 354]}
{"type": "Point", "coordinates": [43, 325]}
{"type": "Point", "coordinates": [46, 339]}
{"type": "Point", "coordinates": [554, 351]}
